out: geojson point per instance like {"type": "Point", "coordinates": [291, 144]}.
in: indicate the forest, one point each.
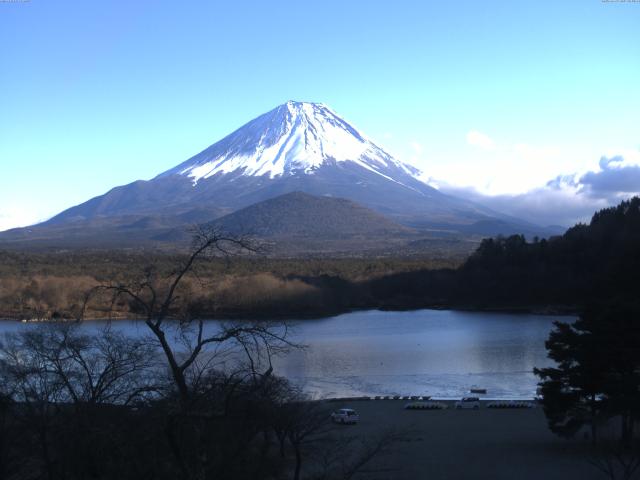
{"type": "Point", "coordinates": [595, 262]}
{"type": "Point", "coordinates": [599, 261]}
{"type": "Point", "coordinates": [47, 285]}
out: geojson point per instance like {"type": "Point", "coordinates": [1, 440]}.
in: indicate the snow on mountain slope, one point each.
{"type": "Point", "coordinates": [294, 138]}
{"type": "Point", "coordinates": [296, 147]}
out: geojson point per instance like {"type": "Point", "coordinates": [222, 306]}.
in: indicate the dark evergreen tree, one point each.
{"type": "Point", "coordinates": [572, 391]}
{"type": "Point", "coordinates": [597, 376]}
{"type": "Point", "coordinates": [599, 261]}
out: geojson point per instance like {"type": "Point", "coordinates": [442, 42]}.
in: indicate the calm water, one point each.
{"type": "Point", "coordinates": [441, 353]}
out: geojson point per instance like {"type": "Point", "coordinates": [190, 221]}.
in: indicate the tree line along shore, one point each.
{"type": "Point", "coordinates": [599, 261]}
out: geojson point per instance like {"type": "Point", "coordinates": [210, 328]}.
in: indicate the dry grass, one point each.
{"type": "Point", "coordinates": [49, 284]}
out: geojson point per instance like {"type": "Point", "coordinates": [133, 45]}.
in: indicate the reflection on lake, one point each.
{"type": "Point", "coordinates": [441, 353]}
{"type": "Point", "coordinates": [426, 352]}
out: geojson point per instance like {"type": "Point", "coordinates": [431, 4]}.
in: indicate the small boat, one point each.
{"type": "Point", "coordinates": [478, 390]}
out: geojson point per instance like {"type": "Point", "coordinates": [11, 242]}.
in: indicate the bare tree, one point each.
{"type": "Point", "coordinates": [65, 382]}
{"type": "Point", "coordinates": [344, 457]}
{"type": "Point", "coordinates": [157, 300]}
{"type": "Point", "coordinates": [79, 368]}
{"type": "Point", "coordinates": [304, 423]}
{"type": "Point", "coordinates": [200, 356]}
{"type": "Point", "coordinates": [328, 452]}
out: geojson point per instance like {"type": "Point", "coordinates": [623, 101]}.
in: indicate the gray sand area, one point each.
{"type": "Point", "coordinates": [453, 444]}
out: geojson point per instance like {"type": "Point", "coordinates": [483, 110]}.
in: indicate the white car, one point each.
{"type": "Point", "coordinates": [468, 402]}
{"type": "Point", "coordinates": [345, 415]}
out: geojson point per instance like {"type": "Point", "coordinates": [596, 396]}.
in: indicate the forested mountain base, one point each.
{"type": "Point", "coordinates": [55, 284]}
{"type": "Point", "coordinates": [598, 262]}
{"type": "Point", "coordinates": [589, 263]}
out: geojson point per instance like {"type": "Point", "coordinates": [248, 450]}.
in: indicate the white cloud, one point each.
{"type": "Point", "coordinates": [417, 147]}
{"type": "Point", "coordinates": [543, 206]}
{"type": "Point", "coordinates": [565, 199]}
{"type": "Point", "coordinates": [509, 168]}
{"type": "Point", "coordinates": [536, 153]}
{"type": "Point", "coordinates": [13, 217]}
{"type": "Point", "coordinates": [480, 140]}
{"type": "Point", "coordinates": [544, 183]}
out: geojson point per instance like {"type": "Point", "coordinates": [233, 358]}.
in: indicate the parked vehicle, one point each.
{"type": "Point", "coordinates": [345, 415]}
{"type": "Point", "coordinates": [468, 402]}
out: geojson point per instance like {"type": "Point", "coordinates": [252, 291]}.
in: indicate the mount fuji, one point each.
{"type": "Point", "coordinates": [294, 138]}
{"type": "Point", "coordinates": [296, 147]}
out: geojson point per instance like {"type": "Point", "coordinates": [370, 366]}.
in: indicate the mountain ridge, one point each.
{"type": "Point", "coordinates": [296, 147]}
{"type": "Point", "coordinates": [317, 152]}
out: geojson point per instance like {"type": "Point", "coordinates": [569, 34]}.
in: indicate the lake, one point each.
{"type": "Point", "coordinates": [442, 353]}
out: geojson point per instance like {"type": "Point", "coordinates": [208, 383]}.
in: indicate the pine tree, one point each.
{"type": "Point", "coordinates": [597, 372]}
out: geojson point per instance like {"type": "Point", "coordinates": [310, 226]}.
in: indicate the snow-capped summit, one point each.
{"type": "Point", "coordinates": [296, 147]}
{"type": "Point", "coordinates": [293, 138]}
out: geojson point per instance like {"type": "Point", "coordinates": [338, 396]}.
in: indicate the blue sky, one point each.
{"type": "Point", "coordinates": [492, 99]}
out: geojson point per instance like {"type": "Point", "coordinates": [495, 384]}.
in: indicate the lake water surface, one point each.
{"type": "Point", "coordinates": [442, 353]}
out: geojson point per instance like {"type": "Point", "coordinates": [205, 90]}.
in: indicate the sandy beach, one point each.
{"type": "Point", "coordinates": [467, 444]}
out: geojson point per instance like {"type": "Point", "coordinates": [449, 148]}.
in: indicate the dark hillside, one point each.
{"type": "Point", "coordinates": [299, 214]}
{"type": "Point", "coordinates": [595, 262]}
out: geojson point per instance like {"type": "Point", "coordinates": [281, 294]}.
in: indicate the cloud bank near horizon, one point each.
{"type": "Point", "coordinates": [565, 199]}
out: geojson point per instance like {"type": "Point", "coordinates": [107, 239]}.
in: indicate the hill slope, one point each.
{"type": "Point", "coordinates": [294, 224]}
{"type": "Point", "coordinates": [299, 214]}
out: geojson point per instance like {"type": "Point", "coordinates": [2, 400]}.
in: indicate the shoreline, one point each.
{"type": "Point", "coordinates": [549, 310]}
{"type": "Point", "coordinates": [449, 401]}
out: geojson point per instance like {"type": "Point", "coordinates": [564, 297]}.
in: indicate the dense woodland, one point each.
{"type": "Point", "coordinates": [43, 285]}
{"type": "Point", "coordinates": [598, 261]}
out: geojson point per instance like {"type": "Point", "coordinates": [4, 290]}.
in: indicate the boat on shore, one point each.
{"type": "Point", "coordinates": [482, 391]}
